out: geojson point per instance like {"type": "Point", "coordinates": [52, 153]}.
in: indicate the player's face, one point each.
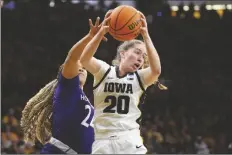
{"type": "Point", "coordinates": [82, 74]}
{"type": "Point", "coordinates": [133, 58]}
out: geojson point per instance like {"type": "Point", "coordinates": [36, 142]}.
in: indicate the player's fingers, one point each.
{"type": "Point", "coordinates": [143, 22]}
{"type": "Point", "coordinates": [97, 21]}
{"type": "Point", "coordinates": [90, 23]}
{"type": "Point", "coordinates": [105, 39]}
{"type": "Point", "coordinates": [105, 22]}
{"type": "Point", "coordinates": [142, 29]}
{"type": "Point", "coordinates": [142, 15]}
{"type": "Point", "coordinates": [108, 13]}
{"type": "Point", "coordinates": [106, 28]}
{"type": "Point", "coordinates": [99, 26]}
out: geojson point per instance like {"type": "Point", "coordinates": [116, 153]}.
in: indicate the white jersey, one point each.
{"type": "Point", "coordinates": [116, 100]}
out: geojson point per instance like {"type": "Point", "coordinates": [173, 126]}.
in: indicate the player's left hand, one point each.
{"type": "Point", "coordinates": [143, 29]}
{"type": "Point", "coordinates": [95, 28]}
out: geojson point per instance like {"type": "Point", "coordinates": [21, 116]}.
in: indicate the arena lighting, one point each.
{"type": "Point", "coordinates": [75, 1]}
{"type": "Point", "coordinates": [52, 3]}
{"type": "Point", "coordinates": [173, 13]}
{"type": "Point", "coordinates": [220, 13]}
{"type": "Point", "coordinates": [208, 7]}
{"type": "Point", "coordinates": [197, 15]}
{"type": "Point", "coordinates": [174, 8]}
{"type": "Point", "coordinates": [219, 7]}
{"type": "Point", "coordinates": [229, 6]}
{"type": "Point", "coordinates": [186, 8]}
{"type": "Point", "coordinates": [196, 7]}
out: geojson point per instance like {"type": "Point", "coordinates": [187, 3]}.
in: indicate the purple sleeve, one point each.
{"type": "Point", "coordinates": [67, 90]}
{"type": "Point", "coordinates": [74, 82]}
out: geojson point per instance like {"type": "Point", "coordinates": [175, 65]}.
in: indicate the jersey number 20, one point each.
{"type": "Point", "coordinates": [118, 102]}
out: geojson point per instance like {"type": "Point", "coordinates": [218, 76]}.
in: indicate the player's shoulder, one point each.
{"type": "Point", "coordinates": [73, 82]}
{"type": "Point", "coordinates": [102, 63]}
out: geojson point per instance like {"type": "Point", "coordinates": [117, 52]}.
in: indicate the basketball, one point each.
{"type": "Point", "coordinates": [124, 23]}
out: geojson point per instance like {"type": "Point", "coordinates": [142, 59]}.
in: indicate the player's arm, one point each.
{"type": "Point", "coordinates": [87, 60]}
{"type": "Point", "coordinates": [151, 73]}
{"type": "Point", "coordinates": [71, 65]}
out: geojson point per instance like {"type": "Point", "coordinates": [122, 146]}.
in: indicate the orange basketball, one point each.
{"type": "Point", "coordinates": [124, 23]}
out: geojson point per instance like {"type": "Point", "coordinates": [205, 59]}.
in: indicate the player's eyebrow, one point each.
{"type": "Point", "coordinates": [138, 49]}
{"type": "Point", "coordinates": [144, 54]}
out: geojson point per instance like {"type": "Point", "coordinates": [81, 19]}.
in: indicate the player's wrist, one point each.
{"type": "Point", "coordinates": [90, 36]}
{"type": "Point", "coordinates": [102, 32]}
{"type": "Point", "coordinates": [145, 35]}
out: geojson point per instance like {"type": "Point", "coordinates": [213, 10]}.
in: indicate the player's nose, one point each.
{"type": "Point", "coordinates": [81, 70]}
{"type": "Point", "coordinates": [140, 59]}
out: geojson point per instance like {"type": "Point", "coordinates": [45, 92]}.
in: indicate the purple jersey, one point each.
{"type": "Point", "coordinates": [72, 116]}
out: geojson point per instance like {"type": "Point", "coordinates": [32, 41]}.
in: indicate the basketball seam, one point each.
{"type": "Point", "coordinates": [112, 28]}
{"type": "Point", "coordinates": [115, 24]}
{"type": "Point", "coordinates": [126, 22]}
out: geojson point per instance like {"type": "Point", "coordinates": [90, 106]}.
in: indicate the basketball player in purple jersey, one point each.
{"type": "Point", "coordinates": [60, 115]}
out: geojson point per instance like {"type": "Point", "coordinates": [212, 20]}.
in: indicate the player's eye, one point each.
{"type": "Point", "coordinates": [137, 51]}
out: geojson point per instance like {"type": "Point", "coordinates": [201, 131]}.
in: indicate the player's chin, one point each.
{"type": "Point", "coordinates": [82, 81]}
{"type": "Point", "coordinates": [134, 69]}
{"type": "Point", "coordinates": [82, 78]}
{"type": "Point", "coordinates": [82, 75]}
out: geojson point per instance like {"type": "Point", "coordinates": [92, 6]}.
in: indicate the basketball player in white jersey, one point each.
{"type": "Point", "coordinates": [117, 91]}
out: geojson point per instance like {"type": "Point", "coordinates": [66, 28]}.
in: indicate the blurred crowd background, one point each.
{"type": "Point", "coordinates": [194, 43]}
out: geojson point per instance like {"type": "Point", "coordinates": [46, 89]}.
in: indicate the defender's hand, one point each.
{"type": "Point", "coordinates": [95, 28]}
{"type": "Point", "coordinates": [104, 28]}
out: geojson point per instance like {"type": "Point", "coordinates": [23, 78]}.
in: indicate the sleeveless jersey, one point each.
{"type": "Point", "coordinates": [116, 101]}
{"type": "Point", "coordinates": [72, 116]}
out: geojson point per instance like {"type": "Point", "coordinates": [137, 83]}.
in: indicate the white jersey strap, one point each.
{"type": "Point", "coordinates": [63, 147]}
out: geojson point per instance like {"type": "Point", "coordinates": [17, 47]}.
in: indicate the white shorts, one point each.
{"type": "Point", "coordinates": [126, 142]}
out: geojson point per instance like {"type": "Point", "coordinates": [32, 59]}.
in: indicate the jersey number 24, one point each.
{"type": "Point", "coordinates": [84, 122]}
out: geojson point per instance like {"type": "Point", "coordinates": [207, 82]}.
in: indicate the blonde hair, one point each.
{"type": "Point", "coordinates": [35, 121]}
{"type": "Point", "coordinates": [126, 45]}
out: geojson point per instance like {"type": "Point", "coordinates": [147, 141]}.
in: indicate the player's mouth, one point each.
{"type": "Point", "coordinates": [136, 66]}
{"type": "Point", "coordinates": [81, 74]}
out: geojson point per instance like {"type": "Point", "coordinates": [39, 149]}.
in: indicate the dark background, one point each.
{"type": "Point", "coordinates": [196, 66]}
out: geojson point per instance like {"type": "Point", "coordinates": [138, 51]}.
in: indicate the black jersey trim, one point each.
{"type": "Point", "coordinates": [140, 82]}
{"type": "Point", "coordinates": [140, 106]}
{"type": "Point", "coordinates": [102, 78]}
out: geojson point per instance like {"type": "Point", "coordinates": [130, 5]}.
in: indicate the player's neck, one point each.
{"type": "Point", "coordinates": [121, 71]}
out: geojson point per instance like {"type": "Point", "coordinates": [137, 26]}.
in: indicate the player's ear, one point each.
{"type": "Point", "coordinates": [122, 54]}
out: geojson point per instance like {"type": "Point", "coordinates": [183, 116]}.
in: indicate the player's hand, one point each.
{"type": "Point", "coordinates": [108, 13]}
{"type": "Point", "coordinates": [95, 28]}
{"type": "Point", "coordinates": [104, 27]}
{"type": "Point", "coordinates": [143, 29]}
